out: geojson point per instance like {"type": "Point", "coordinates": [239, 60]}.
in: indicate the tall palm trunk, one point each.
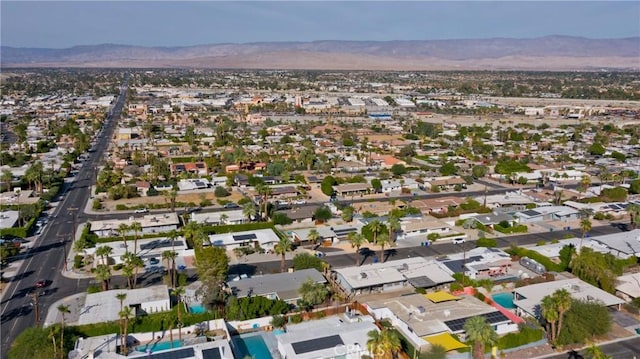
{"type": "Point", "coordinates": [282, 264]}
{"type": "Point", "coordinates": [382, 253]}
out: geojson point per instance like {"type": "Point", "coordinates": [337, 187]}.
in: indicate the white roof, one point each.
{"type": "Point", "coordinates": [623, 242]}
{"type": "Point", "coordinates": [629, 284]}
{"type": "Point", "coordinates": [266, 238]}
{"type": "Point", "coordinates": [352, 334]}
{"type": "Point", "coordinates": [375, 274]}
{"type": "Point", "coordinates": [214, 217]}
{"type": "Point", "coordinates": [104, 306]}
{"type": "Point", "coordinates": [578, 289]}
{"type": "Point", "coordinates": [147, 221]}
{"type": "Point", "coordinates": [8, 219]}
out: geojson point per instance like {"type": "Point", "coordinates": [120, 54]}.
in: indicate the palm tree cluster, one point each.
{"type": "Point", "coordinates": [383, 344]}
{"type": "Point", "coordinates": [552, 308]}
{"type": "Point", "coordinates": [481, 334]}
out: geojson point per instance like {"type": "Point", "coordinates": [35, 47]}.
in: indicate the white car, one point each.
{"type": "Point", "coordinates": [141, 210]}
{"type": "Point", "coordinates": [458, 241]}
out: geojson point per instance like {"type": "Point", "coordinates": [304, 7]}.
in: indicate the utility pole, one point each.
{"type": "Point", "coordinates": [63, 241]}
{"type": "Point", "coordinates": [74, 214]}
{"type": "Point", "coordinates": [36, 312]}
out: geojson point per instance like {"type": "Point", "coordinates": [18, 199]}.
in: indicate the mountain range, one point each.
{"type": "Point", "coordinates": [544, 53]}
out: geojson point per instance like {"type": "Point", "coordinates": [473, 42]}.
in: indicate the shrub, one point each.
{"type": "Point", "coordinates": [541, 243]}
{"type": "Point", "coordinates": [296, 318]}
{"type": "Point", "coordinates": [94, 289]}
{"type": "Point", "coordinates": [480, 296]}
{"type": "Point", "coordinates": [524, 336]}
{"type": "Point", "coordinates": [121, 207]}
{"type": "Point", "coordinates": [455, 286]}
{"type": "Point", "coordinates": [97, 204]}
{"type": "Point", "coordinates": [486, 242]}
{"type": "Point", "coordinates": [221, 192]}
{"type": "Point", "coordinates": [278, 321]}
{"type": "Point", "coordinates": [421, 291]}
{"type": "Point", "coordinates": [305, 260]}
{"type": "Point", "coordinates": [78, 261]}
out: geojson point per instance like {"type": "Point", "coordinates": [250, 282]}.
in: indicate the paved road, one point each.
{"type": "Point", "coordinates": [46, 259]}
{"type": "Point", "coordinates": [625, 349]}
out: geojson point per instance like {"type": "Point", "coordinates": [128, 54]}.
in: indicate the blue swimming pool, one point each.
{"type": "Point", "coordinates": [154, 347]}
{"type": "Point", "coordinates": [197, 308]}
{"type": "Point", "coordinates": [278, 332]}
{"type": "Point", "coordinates": [252, 346]}
{"type": "Point", "coordinates": [504, 299]}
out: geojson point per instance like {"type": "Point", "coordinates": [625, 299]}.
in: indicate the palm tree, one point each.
{"type": "Point", "coordinates": [585, 227]}
{"type": "Point", "coordinates": [347, 214]}
{"type": "Point", "coordinates": [549, 311]}
{"type": "Point", "coordinates": [634, 214]}
{"type": "Point", "coordinates": [313, 236]}
{"type": "Point", "coordinates": [382, 241]}
{"type": "Point", "coordinates": [63, 309]}
{"type": "Point", "coordinates": [375, 227]}
{"type": "Point", "coordinates": [7, 178]}
{"type": "Point", "coordinates": [192, 233]}
{"type": "Point", "coordinates": [383, 344]}
{"type": "Point", "coordinates": [265, 191]}
{"type": "Point", "coordinates": [104, 252]}
{"type": "Point", "coordinates": [563, 301]}
{"type": "Point", "coordinates": [393, 222]}
{"type": "Point", "coordinates": [125, 314]}
{"type": "Point", "coordinates": [121, 297]}
{"type": "Point", "coordinates": [132, 263]}
{"type": "Point", "coordinates": [357, 240]}
{"type": "Point", "coordinates": [123, 229]}
{"type": "Point", "coordinates": [170, 257]}
{"type": "Point", "coordinates": [249, 210]}
{"type": "Point", "coordinates": [179, 292]}
{"type": "Point", "coordinates": [135, 227]}
{"type": "Point", "coordinates": [481, 334]}
{"type": "Point", "coordinates": [103, 273]}
{"type": "Point", "coordinates": [171, 196]}
{"type": "Point", "coordinates": [281, 248]}
{"type": "Point", "coordinates": [594, 352]}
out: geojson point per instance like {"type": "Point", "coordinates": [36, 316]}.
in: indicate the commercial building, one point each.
{"type": "Point", "coordinates": [151, 223]}
{"type": "Point", "coordinates": [263, 238]}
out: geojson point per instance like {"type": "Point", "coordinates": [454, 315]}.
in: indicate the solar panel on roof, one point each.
{"type": "Point", "coordinates": [182, 353]}
{"type": "Point", "coordinates": [313, 345]}
{"type": "Point", "coordinates": [492, 318]}
{"type": "Point", "coordinates": [213, 353]}
{"type": "Point", "coordinates": [422, 282]}
{"type": "Point", "coordinates": [531, 213]}
{"type": "Point", "coordinates": [244, 237]}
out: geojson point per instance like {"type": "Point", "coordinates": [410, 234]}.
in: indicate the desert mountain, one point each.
{"type": "Point", "coordinates": [545, 53]}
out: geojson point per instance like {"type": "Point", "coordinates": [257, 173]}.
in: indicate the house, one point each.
{"type": "Point", "coordinates": [197, 168]}
{"type": "Point", "coordinates": [193, 184]}
{"type": "Point", "coordinates": [421, 226]}
{"type": "Point", "coordinates": [282, 286]}
{"type": "Point", "coordinates": [445, 184]}
{"type": "Point", "coordinates": [427, 315]}
{"type": "Point", "coordinates": [389, 186]}
{"type": "Point", "coordinates": [510, 201]}
{"type": "Point", "coordinates": [418, 272]}
{"type": "Point", "coordinates": [621, 244]}
{"type": "Point", "coordinates": [151, 223]}
{"type": "Point", "coordinates": [479, 263]}
{"type": "Point", "coordinates": [300, 214]}
{"type": "Point", "coordinates": [386, 161]}
{"type": "Point", "coordinates": [548, 213]}
{"type": "Point", "coordinates": [8, 219]}
{"type": "Point", "coordinates": [261, 238]}
{"type": "Point", "coordinates": [352, 189]}
{"type": "Point", "coordinates": [219, 218]}
{"type": "Point", "coordinates": [104, 306]}
{"type": "Point", "coordinates": [527, 299]}
{"type": "Point", "coordinates": [628, 286]}
{"type": "Point", "coordinates": [342, 336]}
{"type": "Point", "coordinates": [491, 219]}
{"type": "Point", "coordinates": [143, 187]}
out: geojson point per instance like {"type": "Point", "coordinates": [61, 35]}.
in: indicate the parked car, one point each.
{"type": "Point", "coordinates": [231, 205]}
{"type": "Point", "coordinates": [458, 241]}
{"type": "Point", "coordinates": [141, 210]}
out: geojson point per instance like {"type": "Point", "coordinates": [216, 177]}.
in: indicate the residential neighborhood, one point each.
{"type": "Point", "coordinates": [285, 214]}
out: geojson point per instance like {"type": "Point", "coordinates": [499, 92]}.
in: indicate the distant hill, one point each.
{"type": "Point", "coordinates": [545, 53]}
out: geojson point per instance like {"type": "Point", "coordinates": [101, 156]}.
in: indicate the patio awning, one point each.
{"type": "Point", "coordinates": [445, 340]}
{"type": "Point", "coordinates": [440, 296]}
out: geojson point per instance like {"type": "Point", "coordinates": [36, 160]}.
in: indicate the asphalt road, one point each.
{"type": "Point", "coordinates": [626, 349]}
{"type": "Point", "coordinates": [45, 260]}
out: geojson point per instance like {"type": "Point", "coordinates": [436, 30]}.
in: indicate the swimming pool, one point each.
{"type": "Point", "coordinates": [197, 308]}
{"type": "Point", "coordinates": [154, 347]}
{"type": "Point", "coordinates": [504, 299]}
{"type": "Point", "coordinates": [278, 332]}
{"type": "Point", "coordinates": [252, 346]}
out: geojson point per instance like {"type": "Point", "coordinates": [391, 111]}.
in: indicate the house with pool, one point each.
{"type": "Point", "coordinates": [527, 299]}
{"type": "Point", "coordinates": [283, 286]}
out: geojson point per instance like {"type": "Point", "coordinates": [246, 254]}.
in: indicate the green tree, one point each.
{"type": "Point", "coordinates": [481, 334]}
{"type": "Point", "coordinates": [585, 227]}
{"type": "Point", "coordinates": [584, 321]}
{"type": "Point", "coordinates": [347, 214]}
{"type": "Point", "coordinates": [135, 227]}
{"type": "Point", "coordinates": [478, 171]}
{"type": "Point", "coordinates": [312, 293]}
{"type": "Point", "coordinates": [7, 178]}
{"type": "Point", "coordinates": [376, 184]}
{"type": "Point", "coordinates": [563, 302]}
{"type": "Point", "coordinates": [323, 214]}
{"type": "Point", "coordinates": [327, 185]}
{"type": "Point", "coordinates": [281, 248]}
{"type": "Point", "coordinates": [170, 257]}
{"type": "Point", "coordinates": [123, 229]}
{"type": "Point", "coordinates": [125, 315]}
{"type": "Point", "coordinates": [383, 344]}
{"type": "Point", "coordinates": [33, 343]}
{"type": "Point", "coordinates": [104, 252]}
{"type": "Point", "coordinates": [398, 169]}
{"type": "Point", "coordinates": [596, 149]}
{"type": "Point", "coordinates": [634, 214]}
{"type": "Point", "coordinates": [305, 260]}
{"type": "Point", "coordinates": [448, 169]}
{"type": "Point", "coordinates": [249, 211]}
{"type": "Point", "coordinates": [103, 274]}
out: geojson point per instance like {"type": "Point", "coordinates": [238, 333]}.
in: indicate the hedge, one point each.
{"type": "Point", "coordinates": [518, 228]}
{"type": "Point", "coordinates": [524, 336]}
{"type": "Point", "coordinates": [546, 262]}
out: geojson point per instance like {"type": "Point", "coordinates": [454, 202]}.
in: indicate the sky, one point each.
{"type": "Point", "coordinates": [60, 24]}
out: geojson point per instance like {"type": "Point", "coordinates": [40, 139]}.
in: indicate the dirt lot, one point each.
{"type": "Point", "coordinates": [191, 196]}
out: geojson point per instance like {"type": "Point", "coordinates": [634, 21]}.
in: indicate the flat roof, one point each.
{"type": "Point", "coordinates": [425, 317]}
{"type": "Point", "coordinates": [623, 242]}
{"type": "Point", "coordinates": [104, 306]}
{"type": "Point", "coordinates": [375, 274]}
{"type": "Point", "coordinates": [301, 341]}
{"type": "Point", "coordinates": [147, 221]}
{"type": "Point", "coordinates": [266, 237]}
{"type": "Point", "coordinates": [629, 284]}
{"type": "Point", "coordinates": [285, 285]}
{"type": "Point", "coordinates": [8, 219]}
{"type": "Point", "coordinates": [578, 289]}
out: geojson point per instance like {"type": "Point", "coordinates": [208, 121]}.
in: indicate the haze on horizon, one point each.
{"type": "Point", "coordinates": [56, 24]}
